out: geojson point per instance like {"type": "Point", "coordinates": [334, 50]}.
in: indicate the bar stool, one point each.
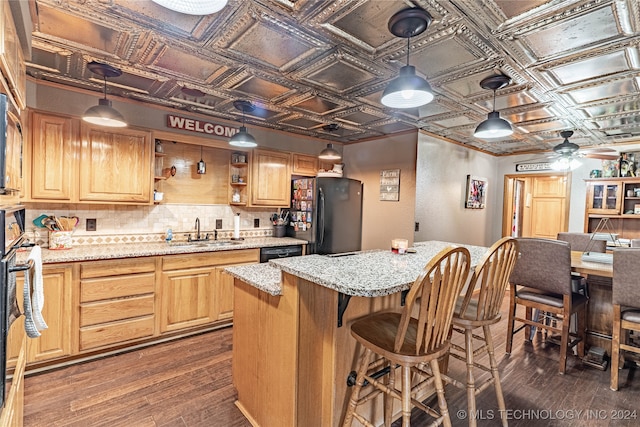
{"type": "Point", "coordinates": [478, 309]}
{"type": "Point", "coordinates": [413, 344]}
{"type": "Point", "coordinates": [626, 305]}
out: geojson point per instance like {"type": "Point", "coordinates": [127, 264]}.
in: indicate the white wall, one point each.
{"type": "Point", "coordinates": [441, 179]}
{"type": "Point", "coordinates": [384, 220]}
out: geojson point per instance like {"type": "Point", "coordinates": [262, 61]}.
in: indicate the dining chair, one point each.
{"type": "Point", "coordinates": [626, 305]}
{"type": "Point", "coordinates": [541, 280]}
{"type": "Point", "coordinates": [479, 308]}
{"type": "Point", "coordinates": [411, 340]}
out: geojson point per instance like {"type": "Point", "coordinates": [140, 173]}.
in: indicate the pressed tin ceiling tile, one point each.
{"type": "Point", "coordinates": [573, 64]}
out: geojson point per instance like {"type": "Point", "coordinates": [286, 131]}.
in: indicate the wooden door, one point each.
{"type": "Point", "coordinates": [271, 178]}
{"type": "Point", "coordinates": [187, 298]}
{"type": "Point", "coordinates": [53, 157]}
{"type": "Point", "coordinates": [539, 202]}
{"type": "Point", "coordinates": [116, 165]}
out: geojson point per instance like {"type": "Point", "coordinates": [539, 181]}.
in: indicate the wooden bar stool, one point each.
{"type": "Point", "coordinates": [478, 309]}
{"type": "Point", "coordinates": [626, 305]}
{"type": "Point", "coordinates": [412, 344]}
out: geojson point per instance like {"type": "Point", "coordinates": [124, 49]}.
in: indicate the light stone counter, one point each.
{"type": "Point", "coordinates": [265, 276]}
{"type": "Point", "coordinates": [369, 273]}
{"type": "Point", "coordinates": [129, 250]}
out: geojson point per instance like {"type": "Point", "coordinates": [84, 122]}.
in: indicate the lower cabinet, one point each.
{"type": "Point", "coordinates": [13, 411]}
{"type": "Point", "coordinates": [116, 301]}
{"type": "Point", "coordinates": [195, 290]}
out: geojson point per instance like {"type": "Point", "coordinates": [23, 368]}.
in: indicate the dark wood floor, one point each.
{"type": "Point", "coordinates": [188, 383]}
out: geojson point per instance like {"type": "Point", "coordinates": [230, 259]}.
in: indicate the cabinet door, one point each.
{"type": "Point", "coordinates": [604, 197]}
{"type": "Point", "coordinates": [304, 165]}
{"type": "Point", "coordinates": [223, 295]}
{"type": "Point", "coordinates": [53, 157]}
{"type": "Point", "coordinates": [270, 179]}
{"type": "Point", "coordinates": [187, 298]}
{"type": "Point", "coordinates": [14, 151]}
{"type": "Point", "coordinates": [115, 165]}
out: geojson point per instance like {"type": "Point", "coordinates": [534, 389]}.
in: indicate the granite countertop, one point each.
{"type": "Point", "coordinates": [368, 273]}
{"type": "Point", "coordinates": [129, 250]}
{"type": "Point", "coordinates": [265, 276]}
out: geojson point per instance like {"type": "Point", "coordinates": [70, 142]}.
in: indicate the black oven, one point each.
{"type": "Point", "coordinates": [12, 224]}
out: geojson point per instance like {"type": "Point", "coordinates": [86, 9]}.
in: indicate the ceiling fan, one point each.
{"type": "Point", "coordinates": [566, 154]}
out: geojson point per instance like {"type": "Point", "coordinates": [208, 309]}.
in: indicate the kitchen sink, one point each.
{"type": "Point", "coordinates": [203, 243]}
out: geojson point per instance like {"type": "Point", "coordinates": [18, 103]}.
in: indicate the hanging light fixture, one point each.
{"type": "Point", "coordinates": [193, 7]}
{"type": "Point", "coordinates": [202, 167]}
{"type": "Point", "coordinates": [330, 153]}
{"type": "Point", "coordinates": [104, 114]}
{"type": "Point", "coordinates": [494, 126]}
{"type": "Point", "coordinates": [242, 138]}
{"type": "Point", "coordinates": [408, 90]}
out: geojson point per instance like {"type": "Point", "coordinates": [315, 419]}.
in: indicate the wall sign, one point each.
{"type": "Point", "coordinates": [531, 167]}
{"type": "Point", "coordinates": [200, 126]}
{"type": "Point", "coordinates": [390, 185]}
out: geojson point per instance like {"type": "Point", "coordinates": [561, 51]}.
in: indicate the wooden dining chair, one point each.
{"type": "Point", "coordinates": [412, 341]}
{"type": "Point", "coordinates": [479, 308]}
{"type": "Point", "coordinates": [626, 305]}
{"type": "Point", "coordinates": [541, 280]}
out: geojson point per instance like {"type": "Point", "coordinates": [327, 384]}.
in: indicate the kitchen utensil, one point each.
{"type": "Point", "coordinates": [38, 222]}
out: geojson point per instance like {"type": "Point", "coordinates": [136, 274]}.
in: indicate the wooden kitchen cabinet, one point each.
{"type": "Point", "coordinates": [12, 65]}
{"type": "Point", "coordinates": [115, 165]}
{"type": "Point", "coordinates": [53, 158]}
{"type": "Point", "coordinates": [13, 410]}
{"type": "Point", "coordinates": [604, 197]}
{"type": "Point", "coordinates": [55, 341]}
{"type": "Point", "coordinates": [239, 178]}
{"type": "Point", "coordinates": [75, 163]}
{"type": "Point", "coordinates": [270, 178]}
{"type": "Point", "coordinates": [304, 165]}
{"type": "Point", "coordinates": [195, 291]}
{"type": "Point", "coordinates": [117, 301]}
{"type": "Point", "coordinates": [614, 201]}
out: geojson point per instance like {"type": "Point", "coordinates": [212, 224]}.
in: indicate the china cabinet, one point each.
{"type": "Point", "coordinates": [616, 199]}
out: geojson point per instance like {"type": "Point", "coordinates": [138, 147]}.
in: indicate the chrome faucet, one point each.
{"type": "Point", "coordinates": [197, 228]}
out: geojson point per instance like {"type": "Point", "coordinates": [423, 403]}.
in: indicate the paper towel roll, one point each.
{"type": "Point", "coordinates": [236, 226]}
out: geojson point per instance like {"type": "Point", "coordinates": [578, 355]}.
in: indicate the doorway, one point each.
{"type": "Point", "coordinates": [536, 205]}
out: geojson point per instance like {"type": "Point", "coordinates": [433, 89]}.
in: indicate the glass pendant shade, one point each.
{"type": "Point", "coordinates": [202, 166]}
{"type": "Point", "coordinates": [243, 139]}
{"type": "Point", "coordinates": [565, 163]}
{"type": "Point", "coordinates": [407, 90]}
{"type": "Point", "coordinates": [329, 153]}
{"type": "Point", "coordinates": [493, 127]}
{"type": "Point", "coordinates": [193, 7]}
{"type": "Point", "coordinates": [104, 114]}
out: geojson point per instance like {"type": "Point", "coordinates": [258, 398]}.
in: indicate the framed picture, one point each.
{"type": "Point", "coordinates": [390, 185]}
{"type": "Point", "coordinates": [476, 192]}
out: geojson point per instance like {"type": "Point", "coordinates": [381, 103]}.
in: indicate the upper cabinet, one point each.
{"type": "Point", "coordinates": [304, 165]}
{"type": "Point", "coordinates": [270, 178]}
{"type": "Point", "coordinates": [11, 58]}
{"type": "Point", "coordinates": [73, 163]}
{"type": "Point", "coordinates": [115, 165]}
{"type": "Point", "coordinates": [604, 197]}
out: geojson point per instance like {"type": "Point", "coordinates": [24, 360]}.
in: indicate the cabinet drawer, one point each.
{"type": "Point", "coordinates": [111, 311]}
{"type": "Point", "coordinates": [178, 262]}
{"type": "Point", "coordinates": [116, 287]}
{"type": "Point", "coordinates": [117, 267]}
{"type": "Point", "coordinates": [113, 333]}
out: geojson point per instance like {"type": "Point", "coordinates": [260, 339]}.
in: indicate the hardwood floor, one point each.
{"type": "Point", "coordinates": [188, 383]}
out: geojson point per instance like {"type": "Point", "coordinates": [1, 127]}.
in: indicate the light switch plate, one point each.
{"type": "Point", "coordinates": [218, 224]}
{"type": "Point", "coordinates": [256, 222]}
{"type": "Point", "coordinates": [91, 224]}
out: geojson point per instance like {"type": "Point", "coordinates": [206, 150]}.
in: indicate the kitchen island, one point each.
{"type": "Point", "coordinates": [292, 349]}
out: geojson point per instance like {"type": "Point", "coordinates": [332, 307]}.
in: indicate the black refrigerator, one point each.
{"type": "Point", "coordinates": [326, 212]}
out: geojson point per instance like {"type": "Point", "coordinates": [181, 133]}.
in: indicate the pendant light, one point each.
{"type": "Point", "coordinates": [202, 167]}
{"type": "Point", "coordinates": [193, 7]}
{"type": "Point", "coordinates": [104, 114]}
{"type": "Point", "coordinates": [408, 90]}
{"type": "Point", "coordinates": [242, 138]}
{"type": "Point", "coordinates": [494, 126]}
{"type": "Point", "coordinates": [330, 153]}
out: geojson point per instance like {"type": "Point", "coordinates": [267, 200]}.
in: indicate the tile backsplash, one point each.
{"type": "Point", "coordinates": [128, 224]}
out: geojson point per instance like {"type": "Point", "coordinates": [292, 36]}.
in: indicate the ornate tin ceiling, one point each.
{"type": "Point", "coordinates": [308, 63]}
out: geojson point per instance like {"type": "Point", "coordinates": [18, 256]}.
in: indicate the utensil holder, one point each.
{"type": "Point", "coordinates": [60, 239]}
{"type": "Point", "coordinates": [279, 230]}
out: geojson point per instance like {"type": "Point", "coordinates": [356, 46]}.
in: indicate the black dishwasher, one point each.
{"type": "Point", "coordinates": [279, 252]}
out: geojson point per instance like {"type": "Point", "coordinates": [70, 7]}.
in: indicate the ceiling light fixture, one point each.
{"type": "Point", "coordinates": [408, 90]}
{"type": "Point", "coordinates": [104, 114]}
{"type": "Point", "coordinates": [494, 126]}
{"type": "Point", "coordinates": [330, 153]}
{"type": "Point", "coordinates": [193, 7]}
{"type": "Point", "coordinates": [242, 138]}
{"type": "Point", "coordinates": [202, 167]}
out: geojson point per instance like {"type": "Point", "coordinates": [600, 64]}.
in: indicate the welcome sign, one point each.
{"type": "Point", "coordinates": [200, 126]}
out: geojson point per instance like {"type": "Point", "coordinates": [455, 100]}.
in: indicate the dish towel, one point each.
{"type": "Point", "coordinates": [33, 304]}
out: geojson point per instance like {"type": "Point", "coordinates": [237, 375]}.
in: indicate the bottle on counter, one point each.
{"type": "Point", "coordinates": [169, 236]}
